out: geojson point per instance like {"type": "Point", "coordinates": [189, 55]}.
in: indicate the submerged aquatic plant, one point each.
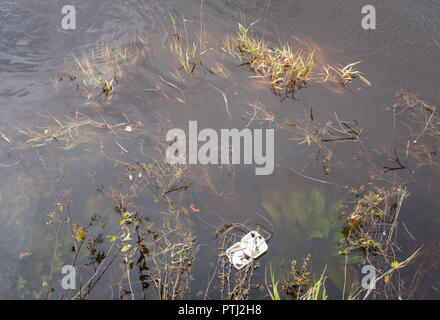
{"type": "Point", "coordinates": [304, 216]}
{"type": "Point", "coordinates": [307, 216]}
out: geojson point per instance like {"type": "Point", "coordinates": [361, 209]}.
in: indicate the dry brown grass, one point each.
{"type": "Point", "coordinates": [71, 131]}
{"type": "Point", "coordinates": [343, 75]}
{"type": "Point", "coordinates": [259, 113]}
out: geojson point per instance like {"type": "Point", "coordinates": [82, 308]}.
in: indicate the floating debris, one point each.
{"type": "Point", "coordinates": [255, 243]}
{"type": "Point", "coordinates": [237, 255]}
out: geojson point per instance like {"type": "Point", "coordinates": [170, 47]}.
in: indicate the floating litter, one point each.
{"type": "Point", "coordinates": [251, 246]}
{"type": "Point", "coordinates": [238, 256]}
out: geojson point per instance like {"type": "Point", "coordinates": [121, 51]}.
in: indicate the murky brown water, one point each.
{"type": "Point", "coordinates": [35, 61]}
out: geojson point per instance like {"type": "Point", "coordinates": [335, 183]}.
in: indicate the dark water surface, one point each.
{"type": "Point", "coordinates": [36, 56]}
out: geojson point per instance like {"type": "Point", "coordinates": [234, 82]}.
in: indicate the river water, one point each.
{"type": "Point", "coordinates": [37, 57]}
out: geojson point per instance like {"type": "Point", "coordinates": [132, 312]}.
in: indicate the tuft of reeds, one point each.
{"type": "Point", "coordinates": [287, 69]}
{"type": "Point", "coordinates": [187, 55]}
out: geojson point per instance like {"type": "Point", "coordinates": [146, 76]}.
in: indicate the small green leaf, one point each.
{"type": "Point", "coordinates": [242, 29]}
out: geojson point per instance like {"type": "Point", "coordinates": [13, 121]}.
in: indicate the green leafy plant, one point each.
{"type": "Point", "coordinates": [318, 291]}
{"type": "Point", "coordinates": [275, 295]}
{"type": "Point", "coordinates": [305, 215]}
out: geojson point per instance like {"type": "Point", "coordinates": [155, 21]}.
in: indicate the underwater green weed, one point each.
{"type": "Point", "coordinates": [287, 69]}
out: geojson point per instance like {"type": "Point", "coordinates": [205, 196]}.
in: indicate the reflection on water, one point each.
{"type": "Point", "coordinates": [85, 113]}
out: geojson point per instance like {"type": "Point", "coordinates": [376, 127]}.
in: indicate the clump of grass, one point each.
{"type": "Point", "coordinates": [251, 50]}
{"type": "Point", "coordinates": [288, 70]}
{"type": "Point", "coordinates": [188, 55]}
{"type": "Point", "coordinates": [317, 291]}
{"type": "Point", "coordinates": [97, 75]}
{"type": "Point", "coordinates": [259, 113]}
